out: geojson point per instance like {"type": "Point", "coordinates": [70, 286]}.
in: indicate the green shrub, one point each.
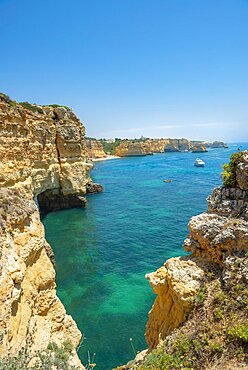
{"type": "Point", "coordinates": [68, 346]}
{"type": "Point", "coordinates": [218, 314]}
{"type": "Point", "coordinates": [216, 348]}
{"type": "Point", "coordinates": [57, 106]}
{"type": "Point", "coordinates": [229, 173]}
{"type": "Point", "coordinates": [109, 147]}
{"type": "Point", "coordinates": [54, 357]}
{"type": "Point", "coordinates": [239, 332]}
{"type": "Point", "coordinates": [34, 108]}
{"type": "Point", "coordinates": [200, 298]}
{"type": "Point", "coordinates": [158, 359]}
{"type": "Point", "coordinates": [8, 100]}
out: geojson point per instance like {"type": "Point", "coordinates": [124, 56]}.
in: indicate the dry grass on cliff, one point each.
{"type": "Point", "coordinates": [215, 336]}
{"type": "Point", "coordinates": [54, 357]}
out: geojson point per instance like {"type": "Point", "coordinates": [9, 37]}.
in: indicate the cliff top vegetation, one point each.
{"type": "Point", "coordinates": [230, 169]}
{"type": "Point", "coordinates": [31, 106]}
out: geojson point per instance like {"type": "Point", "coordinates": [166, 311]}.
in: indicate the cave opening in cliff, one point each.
{"type": "Point", "coordinates": [53, 200]}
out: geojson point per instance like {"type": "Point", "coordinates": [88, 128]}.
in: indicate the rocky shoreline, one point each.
{"type": "Point", "coordinates": [199, 318]}
{"type": "Point", "coordinates": [97, 148]}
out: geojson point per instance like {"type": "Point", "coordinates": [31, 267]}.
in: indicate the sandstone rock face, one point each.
{"type": "Point", "coordinates": [130, 149]}
{"type": "Point", "coordinates": [32, 316]}
{"type": "Point", "coordinates": [175, 284]}
{"type": "Point", "coordinates": [41, 152]}
{"type": "Point", "coordinates": [150, 146]}
{"type": "Point", "coordinates": [94, 149]}
{"type": "Point", "coordinates": [199, 148]}
{"type": "Point", "coordinates": [229, 201]}
{"type": "Point", "coordinates": [215, 236]}
{"type": "Point", "coordinates": [43, 157]}
{"type": "Point", "coordinates": [177, 145]}
{"type": "Point", "coordinates": [216, 144]}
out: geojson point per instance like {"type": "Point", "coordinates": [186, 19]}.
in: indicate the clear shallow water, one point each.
{"type": "Point", "coordinates": [103, 252]}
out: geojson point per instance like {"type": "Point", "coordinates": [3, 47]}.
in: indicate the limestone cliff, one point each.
{"type": "Point", "coordinates": [145, 146]}
{"type": "Point", "coordinates": [216, 144]}
{"type": "Point", "coordinates": [129, 148]}
{"type": "Point", "coordinates": [43, 163]}
{"type": "Point", "coordinates": [94, 149]}
{"type": "Point", "coordinates": [43, 152]}
{"type": "Point", "coordinates": [199, 148]}
{"type": "Point", "coordinates": [177, 145]}
{"type": "Point", "coordinates": [149, 146]}
{"type": "Point", "coordinates": [175, 284]}
{"type": "Point", "coordinates": [208, 288]}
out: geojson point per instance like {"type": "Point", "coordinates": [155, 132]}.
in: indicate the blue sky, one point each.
{"type": "Point", "coordinates": [158, 68]}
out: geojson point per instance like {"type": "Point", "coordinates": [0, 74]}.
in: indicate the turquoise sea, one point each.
{"type": "Point", "coordinates": [104, 251]}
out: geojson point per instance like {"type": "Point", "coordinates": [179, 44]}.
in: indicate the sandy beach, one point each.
{"type": "Point", "coordinates": [105, 158]}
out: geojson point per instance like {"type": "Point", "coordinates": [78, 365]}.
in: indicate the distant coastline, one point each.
{"type": "Point", "coordinates": [104, 149]}
{"type": "Point", "coordinates": [106, 158]}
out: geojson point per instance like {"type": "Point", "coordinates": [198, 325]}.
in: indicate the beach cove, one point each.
{"type": "Point", "coordinates": [103, 252]}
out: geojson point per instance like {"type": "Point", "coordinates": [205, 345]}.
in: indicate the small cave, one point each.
{"type": "Point", "coordinates": [54, 199]}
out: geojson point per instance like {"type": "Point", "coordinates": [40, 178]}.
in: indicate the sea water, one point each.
{"type": "Point", "coordinates": [103, 252]}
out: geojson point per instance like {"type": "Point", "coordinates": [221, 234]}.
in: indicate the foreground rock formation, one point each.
{"type": "Point", "coordinates": [205, 294]}
{"type": "Point", "coordinates": [43, 164]}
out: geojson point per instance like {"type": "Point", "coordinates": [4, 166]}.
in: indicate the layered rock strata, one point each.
{"type": "Point", "coordinates": [44, 153]}
{"type": "Point", "coordinates": [146, 146]}
{"type": "Point", "coordinates": [94, 149]}
{"type": "Point", "coordinates": [32, 316]}
{"type": "Point", "coordinates": [199, 148]}
{"type": "Point", "coordinates": [43, 165]}
{"type": "Point", "coordinates": [131, 149]}
{"type": "Point", "coordinates": [175, 284]}
{"type": "Point", "coordinates": [149, 146]}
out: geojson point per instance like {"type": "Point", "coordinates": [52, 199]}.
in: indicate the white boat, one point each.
{"type": "Point", "coordinates": [199, 162]}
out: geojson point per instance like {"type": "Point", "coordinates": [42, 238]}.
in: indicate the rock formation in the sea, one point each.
{"type": "Point", "coordinates": [43, 164]}
{"type": "Point", "coordinates": [199, 318]}
{"type": "Point", "coordinates": [198, 148]}
{"type": "Point", "coordinates": [149, 146]}
{"type": "Point", "coordinates": [154, 145]}
{"type": "Point", "coordinates": [216, 144]}
{"type": "Point", "coordinates": [94, 148]}
{"type": "Point", "coordinates": [177, 145]}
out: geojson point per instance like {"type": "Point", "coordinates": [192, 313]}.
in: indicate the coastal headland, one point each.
{"type": "Point", "coordinates": [43, 167]}
{"type": "Point", "coordinates": [111, 148]}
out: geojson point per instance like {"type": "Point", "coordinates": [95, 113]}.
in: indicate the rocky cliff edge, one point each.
{"type": "Point", "coordinates": [43, 164]}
